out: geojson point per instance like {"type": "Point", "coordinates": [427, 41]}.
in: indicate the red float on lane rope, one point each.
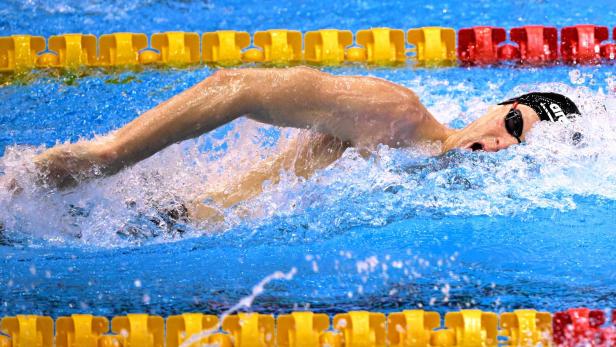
{"type": "Point", "coordinates": [582, 43]}
{"type": "Point", "coordinates": [479, 45]}
{"type": "Point", "coordinates": [581, 326]}
{"type": "Point", "coordinates": [608, 50]}
{"type": "Point", "coordinates": [537, 44]}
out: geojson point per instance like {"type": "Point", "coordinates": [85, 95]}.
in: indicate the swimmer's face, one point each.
{"type": "Point", "coordinates": [488, 133]}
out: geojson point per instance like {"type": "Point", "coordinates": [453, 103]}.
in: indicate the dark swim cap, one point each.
{"type": "Point", "coordinates": [549, 106]}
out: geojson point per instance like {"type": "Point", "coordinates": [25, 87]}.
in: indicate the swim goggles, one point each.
{"type": "Point", "coordinates": [514, 123]}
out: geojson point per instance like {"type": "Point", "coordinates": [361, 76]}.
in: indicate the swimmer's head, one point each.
{"type": "Point", "coordinates": [508, 122]}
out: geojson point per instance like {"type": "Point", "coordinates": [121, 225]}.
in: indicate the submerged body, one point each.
{"type": "Point", "coordinates": [338, 111]}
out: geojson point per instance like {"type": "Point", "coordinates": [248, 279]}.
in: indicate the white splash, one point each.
{"type": "Point", "coordinates": [245, 302]}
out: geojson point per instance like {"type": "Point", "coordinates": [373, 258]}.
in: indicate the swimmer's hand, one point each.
{"type": "Point", "coordinates": [66, 165]}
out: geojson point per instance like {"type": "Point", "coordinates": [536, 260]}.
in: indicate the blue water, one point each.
{"type": "Point", "coordinates": [531, 226]}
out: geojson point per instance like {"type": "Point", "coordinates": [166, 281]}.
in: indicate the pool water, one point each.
{"type": "Point", "coordinates": [530, 226]}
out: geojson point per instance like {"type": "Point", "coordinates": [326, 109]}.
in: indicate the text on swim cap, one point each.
{"type": "Point", "coordinates": [558, 112]}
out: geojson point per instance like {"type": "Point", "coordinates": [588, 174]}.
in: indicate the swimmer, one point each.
{"type": "Point", "coordinates": [339, 112]}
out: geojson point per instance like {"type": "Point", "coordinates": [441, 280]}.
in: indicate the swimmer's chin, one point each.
{"type": "Point", "coordinates": [453, 142]}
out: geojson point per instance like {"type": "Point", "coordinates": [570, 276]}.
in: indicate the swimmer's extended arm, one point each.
{"type": "Point", "coordinates": [361, 110]}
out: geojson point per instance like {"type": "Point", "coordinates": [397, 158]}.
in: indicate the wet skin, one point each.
{"type": "Point", "coordinates": [336, 111]}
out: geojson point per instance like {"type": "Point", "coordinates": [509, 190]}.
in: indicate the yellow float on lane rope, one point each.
{"type": "Point", "coordinates": [250, 329]}
{"type": "Point", "coordinates": [300, 329]}
{"type": "Point", "coordinates": [434, 46]}
{"type": "Point", "coordinates": [473, 328]}
{"type": "Point", "coordinates": [224, 47]}
{"type": "Point", "coordinates": [73, 50]}
{"type": "Point", "coordinates": [177, 48]}
{"type": "Point", "coordinates": [279, 46]}
{"type": "Point", "coordinates": [139, 330]}
{"type": "Point", "coordinates": [361, 328]}
{"type": "Point", "coordinates": [412, 328]}
{"type": "Point", "coordinates": [527, 327]}
{"type": "Point", "coordinates": [28, 330]}
{"type": "Point", "coordinates": [384, 46]}
{"type": "Point", "coordinates": [19, 52]}
{"type": "Point", "coordinates": [80, 330]}
{"type": "Point", "coordinates": [327, 46]}
{"type": "Point", "coordinates": [121, 49]}
{"type": "Point", "coordinates": [183, 327]}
